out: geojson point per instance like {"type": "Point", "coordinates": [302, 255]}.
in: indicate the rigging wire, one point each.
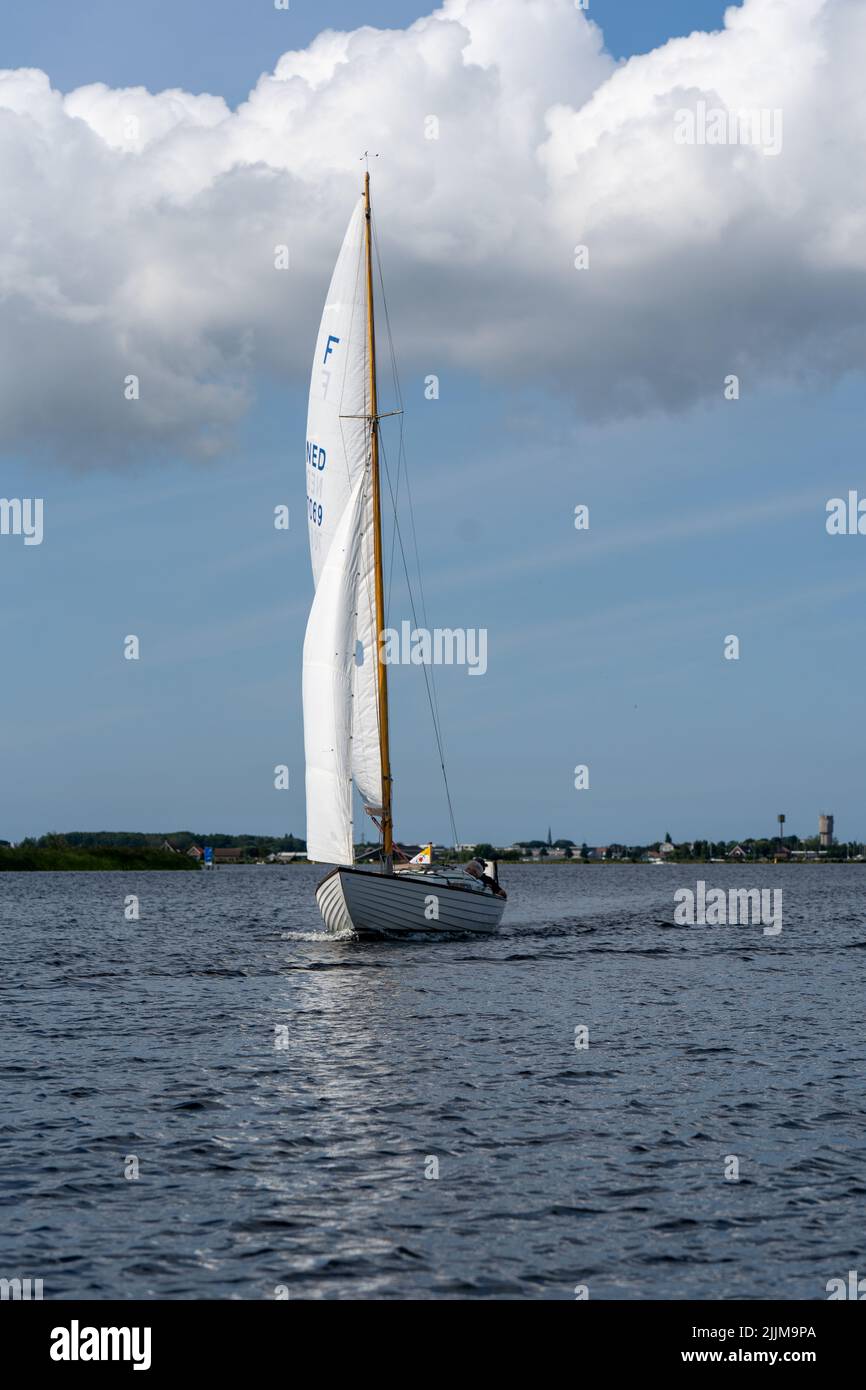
{"type": "Point", "coordinates": [402, 469]}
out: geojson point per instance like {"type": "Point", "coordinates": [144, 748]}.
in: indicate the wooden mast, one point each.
{"type": "Point", "coordinates": [381, 667]}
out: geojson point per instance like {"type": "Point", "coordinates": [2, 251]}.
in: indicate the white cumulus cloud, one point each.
{"type": "Point", "coordinates": [139, 229]}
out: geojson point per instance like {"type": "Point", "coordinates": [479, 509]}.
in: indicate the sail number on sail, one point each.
{"type": "Point", "coordinates": [316, 456]}
{"type": "Point", "coordinates": [316, 459]}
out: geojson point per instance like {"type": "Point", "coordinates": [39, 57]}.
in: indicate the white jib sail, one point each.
{"type": "Point", "coordinates": [337, 457]}
{"type": "Point", "coordinates": [366, 752]}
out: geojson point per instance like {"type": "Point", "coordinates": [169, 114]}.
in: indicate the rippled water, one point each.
{"type": "Point", "coordinates": [304, 1167]}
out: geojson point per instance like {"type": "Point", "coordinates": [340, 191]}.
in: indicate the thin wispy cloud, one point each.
{"type": "Point", "coordinates": [583, 549]}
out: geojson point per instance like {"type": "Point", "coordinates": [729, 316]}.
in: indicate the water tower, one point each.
{"type": "Point", "coordinates": [781, 820]}
{"type": "Point", "coordinates": [825, 831]}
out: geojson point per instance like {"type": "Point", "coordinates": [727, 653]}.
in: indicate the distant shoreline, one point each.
{"type": "Point", "coordinates": [119, 860]}
{"type": "Point", "coordinates": [672, 863]}
{"type": "Point", "coordinates": [102, 859]}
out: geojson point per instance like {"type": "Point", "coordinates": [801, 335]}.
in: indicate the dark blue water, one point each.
{"type": "Point", "coordinates": [304, 1167]}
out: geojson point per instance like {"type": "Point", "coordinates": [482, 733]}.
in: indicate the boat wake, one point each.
{"type": "Point", "coordinates": [319, 936]}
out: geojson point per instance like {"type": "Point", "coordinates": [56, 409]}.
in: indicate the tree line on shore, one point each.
{"type": "Point", "coordinates": [32, 856]}
{"type": "Point", "coordinates": [118, 849]}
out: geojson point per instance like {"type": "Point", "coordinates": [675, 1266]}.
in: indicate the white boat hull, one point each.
{"type": "Point", "coordinates": [375, 904]}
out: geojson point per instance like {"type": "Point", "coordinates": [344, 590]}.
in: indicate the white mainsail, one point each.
{"type": "Point", "coordinates": [337, 429]}
{"type": "Point", "coordinates": [338, 479]}
{"type": "Point", "coordinates": [328, 657]}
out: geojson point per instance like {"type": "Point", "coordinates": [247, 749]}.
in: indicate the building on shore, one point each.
{"type": "Point", "coordinates": [228, 856]}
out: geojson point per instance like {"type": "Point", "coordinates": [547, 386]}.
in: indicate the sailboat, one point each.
{"type": "Point", "coordinates": [345, 675]}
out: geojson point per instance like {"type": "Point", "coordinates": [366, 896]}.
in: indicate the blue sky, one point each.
{"type": "Point", "coordinates": [605, 647]}
{"type": "Point", "coordinates": [222, 46]}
